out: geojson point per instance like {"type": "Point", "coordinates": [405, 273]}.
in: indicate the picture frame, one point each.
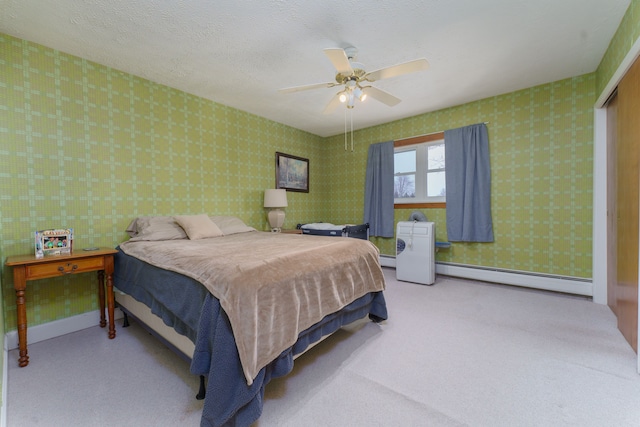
{"type": "Point", "coordinates": [292, 173]}
{"type": "Point", "coordinates": [55, 241]}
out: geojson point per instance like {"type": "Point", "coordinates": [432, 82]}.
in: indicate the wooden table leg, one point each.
{"type": "Point", "coordinates": [20, 285]}
{"type": "Point", "coordinates": [103, 320]}
{"type": "Point", "coordinates": [108, 261]}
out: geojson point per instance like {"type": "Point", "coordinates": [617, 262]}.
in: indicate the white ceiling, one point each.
{"type": "Point", "coordinates": [239, 53]}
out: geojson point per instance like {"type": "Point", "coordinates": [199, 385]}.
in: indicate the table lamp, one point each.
{"type": "Point", "coordinates": [275, 199]}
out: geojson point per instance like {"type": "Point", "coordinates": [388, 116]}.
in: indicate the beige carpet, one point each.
{"type": "Point", "coordinates": [453, 354]}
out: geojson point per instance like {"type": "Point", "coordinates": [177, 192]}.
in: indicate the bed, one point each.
{"type": "Point", "coordinates": [243, 302]}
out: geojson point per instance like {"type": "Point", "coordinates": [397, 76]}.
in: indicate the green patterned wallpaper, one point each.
{"type": "Point", "coordinates": [622, 41]}
{"type": "Point", "coordinates": [541, 145]}
{"type": "Point", "coordinates": [89, 147]}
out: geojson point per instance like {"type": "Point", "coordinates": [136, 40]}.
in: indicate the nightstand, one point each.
{"type": "Point", "coordinates": [292, 231]}
{"type": "Point", "coordinates": [28, 267]}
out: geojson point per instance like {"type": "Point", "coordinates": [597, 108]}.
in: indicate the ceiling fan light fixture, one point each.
{"type": "Point", "coordinates": [351, 74]}
{"type": "Point", "coordinates": [352, 100]}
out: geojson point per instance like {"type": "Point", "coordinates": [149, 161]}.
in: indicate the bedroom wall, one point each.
{"type": "Point", "coordinates": [89, 147]}
{"type": "Point", "coordinates": [541, 148]}
{"type": "Point", "coordinates": [626, 35]}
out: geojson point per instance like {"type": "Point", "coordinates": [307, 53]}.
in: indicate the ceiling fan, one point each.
{"type": "Point", "coordinates": [354, 78]}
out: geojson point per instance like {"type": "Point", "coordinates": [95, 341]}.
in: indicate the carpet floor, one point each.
{"type": "Point", "coordinates": [458, 353]}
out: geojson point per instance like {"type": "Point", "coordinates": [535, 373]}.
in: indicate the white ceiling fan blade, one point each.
{"type": "Point", "coordinates": [332, 105]}
{"type": "Point", "coordinates": [381, 95]}
{"type": "Point", "coordinates": [339, 59]}
{"type": "Point", "coordinates": [397, 70]}
{"type": "Point", "coordinates": [306, 87]}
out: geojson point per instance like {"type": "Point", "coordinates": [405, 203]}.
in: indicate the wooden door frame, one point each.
{"type": "Point", "coordinates": [600, 173]}
{"type": "Point", "coordinates": [612, 208]}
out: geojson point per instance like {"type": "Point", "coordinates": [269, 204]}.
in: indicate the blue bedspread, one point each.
{"type": "Point", "coordinates": [188, 307]}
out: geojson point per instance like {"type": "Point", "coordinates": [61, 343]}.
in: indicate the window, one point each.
{"type": "Point", "coordinates": [419, 170]}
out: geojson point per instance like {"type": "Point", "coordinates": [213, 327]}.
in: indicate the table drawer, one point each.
{"type": "Point", "coordinates": [51, 269]}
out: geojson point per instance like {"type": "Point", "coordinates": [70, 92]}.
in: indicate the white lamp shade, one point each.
{"type": "Point", "coordinates": [275, 198]}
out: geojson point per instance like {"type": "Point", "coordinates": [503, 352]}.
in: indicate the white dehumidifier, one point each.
{"type": "Point", "coordinates": [415, 247]}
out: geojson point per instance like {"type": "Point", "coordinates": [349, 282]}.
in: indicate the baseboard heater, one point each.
{"type": "Point", "coordinates": [549, 282]}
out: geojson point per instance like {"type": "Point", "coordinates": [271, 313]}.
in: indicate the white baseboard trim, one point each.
{"type": "Point", "coordinates": [387, 261]}
{"type": "Point", "coordinates": [570, 285]}
{"type": "Point", "coordinates": [56, 328]}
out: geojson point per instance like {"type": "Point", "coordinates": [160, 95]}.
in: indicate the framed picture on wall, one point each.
{"type": "Point", "coordinates": [292, 173]}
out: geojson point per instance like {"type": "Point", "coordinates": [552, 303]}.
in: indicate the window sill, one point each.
{"type": "Point", "coordinates": [438, 205]}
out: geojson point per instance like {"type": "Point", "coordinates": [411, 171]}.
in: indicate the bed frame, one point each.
{"type": "Point", "coordinates": [177, 342]}
{"type": "Point", "coordinates": [141, 314]}
{"type": "Point", "coordinates": [168, 336]}
{"type": "Point", "coordinates": [154, 325]}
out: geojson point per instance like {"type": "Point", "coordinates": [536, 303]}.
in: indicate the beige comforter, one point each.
{"type": "Point", "coordinates": [272, 286]}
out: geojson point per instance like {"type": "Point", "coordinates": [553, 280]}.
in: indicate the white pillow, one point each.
{"type": "Point", "coordinates": [231, 225]}
{"type": "Point", "coordinates": [198, 226]}
{"type": "Point", "coordinates": [155, 228]}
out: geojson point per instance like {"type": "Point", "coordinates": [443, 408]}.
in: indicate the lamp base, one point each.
{"type": "Point", "coordinates": [276, 219]}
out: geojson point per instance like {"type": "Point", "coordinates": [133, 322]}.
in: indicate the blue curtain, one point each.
{"type": "Point", "coordinates": [468, 174]}
{"type": "Point", "coordinates": [378, 194]}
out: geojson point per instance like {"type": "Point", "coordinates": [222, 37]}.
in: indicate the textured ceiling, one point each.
{"type": "Point", "coordinates": [239, 53]}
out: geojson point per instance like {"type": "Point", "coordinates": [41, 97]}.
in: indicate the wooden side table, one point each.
{"type": "Point", "coordinates": [291, 231]}
{"type": "Point", "coordinates": [28, 267]}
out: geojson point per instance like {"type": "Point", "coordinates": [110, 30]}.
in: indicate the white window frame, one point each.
{"type": "Point", "coordinates": [421, 171]}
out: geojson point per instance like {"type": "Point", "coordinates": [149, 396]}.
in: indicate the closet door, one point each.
{"type": "Point", "coordinates": [627, 201]}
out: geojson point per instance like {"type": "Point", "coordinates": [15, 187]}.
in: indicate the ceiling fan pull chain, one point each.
{"type": "Point", "coordinates": [351, 114]}
{"type": "Point", "coordinates": [345, 130]}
